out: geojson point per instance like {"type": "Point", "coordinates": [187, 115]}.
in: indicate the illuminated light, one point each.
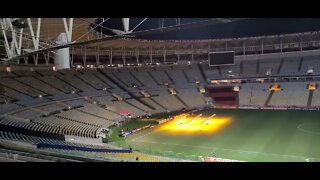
{"type": "Point", "coordinates": [54, 68]}
{"type": "Point", "coordinates": [229, 71]}
{"type": "Point", "coordinates": [183, 124]}
{"type": "Point", "coordinates": [69, 107]}
{"type": "Point", "coordinates": [40, 96]}
{"type": "Point", "coordinates": [8, 69]}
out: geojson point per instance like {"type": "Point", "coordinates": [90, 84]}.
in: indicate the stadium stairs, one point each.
{"type": "Point", "coordinates": [310, 98]}
{"type": "Point", "coordinates": [121, 87]}
{"type": "Point", "coordinates": [269, 98]}
{"type": "Point", "coordinates": [202, 72]}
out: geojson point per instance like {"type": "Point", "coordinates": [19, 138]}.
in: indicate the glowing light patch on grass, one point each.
{"type": "Point", "coordinates": [183, 124]}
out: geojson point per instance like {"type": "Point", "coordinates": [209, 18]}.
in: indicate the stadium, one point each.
{"type": "Point", "coordinates": [111, 90]}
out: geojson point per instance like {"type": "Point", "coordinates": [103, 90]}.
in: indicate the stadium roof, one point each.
{"type": "Point", "coordinates": [146, 32]}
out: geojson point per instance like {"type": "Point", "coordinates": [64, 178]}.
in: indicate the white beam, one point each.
{"type": "Point", "coordinates": [38, 32]}
{"type": "Point", "coordinates": [6, 43]}
{"type": "Point", "coordinates": [67, 28]}
{"type": "Point", "coordinates": [138, 24]}
{"type": "Point", "coordinates": [14, 44]}
{"type": "Point", "coordinates": [35, 39]}
{"type": "Point", "coordinates": [20, 41]}
{"type": "Point", "coordinates": [125, 22]}
{"type": "Point", "coordinates": [70, 29]}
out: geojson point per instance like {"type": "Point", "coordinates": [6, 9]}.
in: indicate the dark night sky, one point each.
{"type": "Point", "coordinates": [244, 28]}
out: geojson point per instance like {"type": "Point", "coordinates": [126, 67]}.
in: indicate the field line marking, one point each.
{"type": "Point", "coordinates": [134, 139]}
{"type": "Point", "coordinates": [232, 150]}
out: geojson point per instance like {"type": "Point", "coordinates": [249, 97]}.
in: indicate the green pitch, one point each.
{"type": "Point", "coordinates": [254, 136]}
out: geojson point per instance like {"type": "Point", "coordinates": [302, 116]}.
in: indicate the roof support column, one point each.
{"type": "Point", "coordinates": [123, 56]}
{"type": "Point", "coordinates": [35, 39]}
{"type": "Point", "coordinates": [281, 44]}
{"type": "Point", "coordinates": [35, 58]}
{"type": "Point", "coordinates": [208, 51]}
{"type": "Point", "coordinates": [46, 57]}
{"type": "Point", "coordinates": [244, 48]}
{"type": "Point", "coordinates": [68, 28]}
{"type": "Point", "coordinates": [26, 60]}
{"type": "Point", "coordinates": [262, 46]}
{"type": "Point", "coordinates": [98, 56]}
{"type": "Point", "coordinates": [300, 43]}
{"type": "Point", "coordinates": [72, 54]}
{"type": "Point", "coordinates": [16, 48]}
{"type": "Point", "coordinates": [84, 58]}
{"type": "Point", "coordinates": [178, 54]}
{"type": "Point", "coordinates": [110, 56]}
{"type": "Point", "coordinates": [192, 53]}
{"type": "Point", "coordinates": [125, 22]}
{"type": "Point", "coordinates": [137, 56]}
{"type": "Point", "coordinates": [164, 55]}
{"type": "Point", "coordinates": [151, 54]}
{"type": "Point", "coordinates": [9, 49]}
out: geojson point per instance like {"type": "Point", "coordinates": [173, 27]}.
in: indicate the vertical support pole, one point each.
{"type": "Point", "coordinates": [208, 51]}
{"type": "Point", "coordinates": [98, 57]}
{"type": "Point", "coordinates": [137, 55]}
{"type": "Point", "coordinates": [35, 58]}
{"type": "Point", "coordinates": [300, 43]}
{"type": "Point", "coordinates": [26, 60]}
{"type": "Point", "coordinates": [226, 45]}
{"type": "Point", "coordinates": [110, 56]}
{"type": "Point", "coordinates": [178, 54]}
{"type": "Point", "coordinates": [164, 55]}
{"type": "Point", "coordinates": [123, 56]}
{"type": "Point", "coordinates": [262, 46]}
{"type": "Point", "coordinates": [84, 58]}
{"type": "Point", "coordinates": [281, 44]}
{"type": "Point", "coordinates": [192, 53]}
{"type": "Point", "coordinates": [244, 48]}
{"type": "Point", "coordinates": [72, 54]}
{"type": "Point", "coordinates": [151, 54]}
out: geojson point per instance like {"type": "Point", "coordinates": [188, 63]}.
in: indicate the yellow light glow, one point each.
{"type": "Point", "coordinates": [199, 124]}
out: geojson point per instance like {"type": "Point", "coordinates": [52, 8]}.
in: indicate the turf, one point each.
{"type": "Point", "coordinates": [262, 136]}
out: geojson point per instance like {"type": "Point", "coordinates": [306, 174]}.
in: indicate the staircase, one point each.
{"type": "Point", "coordinates": [269, 98]}
{"type": "Point", "coordinates": [310, 98]}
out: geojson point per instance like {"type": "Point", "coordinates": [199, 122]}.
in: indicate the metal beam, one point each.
{"type": "Point", "coordinates": [6, 43]}
{"type": "Point", "coordinates": [67, 28]}
{"type": "Point", "coordinates": [35, 39]}
{"type": "Point", "coordinates": [132, 35]}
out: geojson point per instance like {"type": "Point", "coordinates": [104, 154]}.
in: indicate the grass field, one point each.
{"type": "Point", "coordinates": [263, 136]}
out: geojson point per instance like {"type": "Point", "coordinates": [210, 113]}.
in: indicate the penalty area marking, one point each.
{"type": "Point", "coordinates": [307, 131]}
